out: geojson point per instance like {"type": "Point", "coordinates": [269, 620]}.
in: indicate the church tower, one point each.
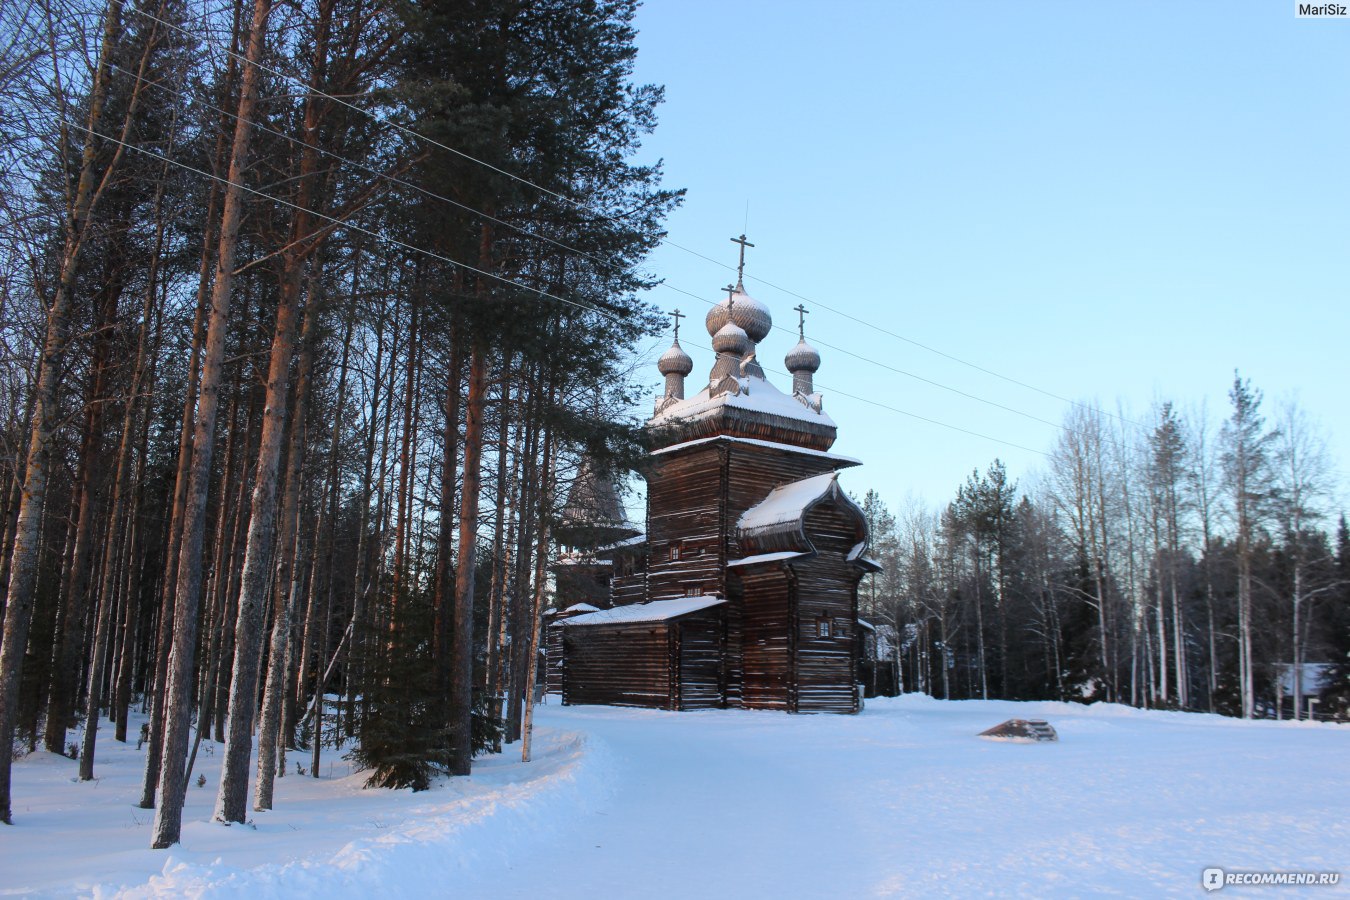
{"type": "Point", "coordinates": [749, 535]}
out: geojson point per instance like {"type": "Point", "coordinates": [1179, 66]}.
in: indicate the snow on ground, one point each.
{"type": "Point", "coordinates": [325, 837]}
{"type": "Point", "coordinates": [903, 799]}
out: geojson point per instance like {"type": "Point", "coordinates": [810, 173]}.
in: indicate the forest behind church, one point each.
{"type": "Point", "coordinates": [308, 312]}
{"type": "Point", "coordinates": [1169, 560]}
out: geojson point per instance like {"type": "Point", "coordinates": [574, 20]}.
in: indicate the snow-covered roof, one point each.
{"type": "Point", "coordinates": [863, 623]}
{"type": "Point", "coordinates": [656, 611]}
{"type": "Point", "coordinates": [856, 556]}
{"type": "Point", "coordinates": [757, 395]}
{"type": "Point", "coordinates": [586, 560]}
{"type": "Point", "coordinates": [581, 608]}
{"type": "Point", "coordinates": [755, 442]}
{"type": "Point", "coordinates": [778, 521]}
{"type": "Point", "coordinates": [786, 503]}
{"type": "Point", "coordinates": [633, 541]}
{"type": "Point", "coordinates": [765, 558]}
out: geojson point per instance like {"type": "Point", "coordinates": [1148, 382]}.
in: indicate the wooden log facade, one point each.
{"type": "Point", "coordinates": [663, 659]}
{"type": "Point", "coordinates": [553, 643]}
{"type": "Point", "coordinates": [744, 509]}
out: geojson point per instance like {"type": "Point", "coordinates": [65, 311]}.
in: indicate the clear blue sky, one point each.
{"type": "Point", "coordinates": [1114, 202]}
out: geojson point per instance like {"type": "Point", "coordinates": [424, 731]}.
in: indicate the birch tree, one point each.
{"type": "Point", "coordinates": [1302, 482]}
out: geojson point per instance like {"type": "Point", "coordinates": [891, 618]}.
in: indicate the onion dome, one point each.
{"type": "Point", "coordinates": [731, 338]}
{"type": "Point", "coordinates": [802, 358]}
{"type": "Point", "coordinates": [675, 361]}
{"type": "Point", "coordinates": [751, 315]}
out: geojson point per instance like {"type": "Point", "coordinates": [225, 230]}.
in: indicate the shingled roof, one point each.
{"type": "Point", "coordinates": [778, 522]}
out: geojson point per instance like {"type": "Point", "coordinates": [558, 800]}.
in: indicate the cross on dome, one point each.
{"type": "Point", "coordinates": [738, 324]}
{"type": "Point", "coordinates": [740, 266]}
{"type": "Point", "coordinates": [675, 362]}
{"type": "Point", "coordinates": [801, 312]}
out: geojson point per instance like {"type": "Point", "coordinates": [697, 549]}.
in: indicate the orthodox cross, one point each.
{"type": "Point", "coordinates": [677, 316]}
{"type": "Point", "coordinates": [740, 267]}
{"type": "Point", "coordinates": [801, 312]}
{"type": "Point", "coordinates": [731, 290]}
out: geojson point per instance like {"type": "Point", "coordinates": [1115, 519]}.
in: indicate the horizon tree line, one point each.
{"type": "Point", "coordinates": [1173, 563]}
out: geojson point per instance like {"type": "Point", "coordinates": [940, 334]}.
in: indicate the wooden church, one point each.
{"type": "Point", "coordinates": [743, 591]}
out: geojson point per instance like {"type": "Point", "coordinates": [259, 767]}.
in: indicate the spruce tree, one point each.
{"type": "Point", "coordinates": [544, 274]}
{"type": "Point", "coordinates": [1335, 697]}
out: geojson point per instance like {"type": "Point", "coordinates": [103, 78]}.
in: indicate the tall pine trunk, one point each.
{"type": "Point", "coordinates": [232, 801]}
{"type": "Point", "coordinates": [445, 571]}
{"type": "Point", "coordinates": [172, 782]}
{"type": "Point", "coordinates": [108, 578]}
{"type": "Point", "coordinates": [461, 676]}
{"type": "Point", "coordinates": [536, 605]}
{"type": "Point", "coordinates": [286, 580]}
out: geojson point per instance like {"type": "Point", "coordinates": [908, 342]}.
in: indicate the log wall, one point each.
{"type": "Point", "coordinates": [628, 584]}
{"type": "Point", "coordinates": [827, 589]}
{"type": "Point", "coordinates": [553, 653]}
{"type": "Point", "coordinates": [766, 637]}
{"type": "Point", "coordinates": [699, 648]}
{"type": "Point", "coordinates": [661, 665]}
{"type": "Point", "coordinates": [618, 665]}
{"type": "Point", "coordinates": [685, 522]}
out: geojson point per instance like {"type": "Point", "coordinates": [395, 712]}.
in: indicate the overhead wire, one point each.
{"type": "Point", "coordinates": [342, 223]}
{"type": "Point", "coordinates": [403, 129]}
{"type": "Point", "coordinates": [404, 183]}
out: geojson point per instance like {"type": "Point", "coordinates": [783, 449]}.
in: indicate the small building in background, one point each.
{"type": "Point", "coordinates": [1297, 688]}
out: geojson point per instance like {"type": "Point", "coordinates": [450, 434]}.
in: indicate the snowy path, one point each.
{"type": "Point", "coordinates": [902, 799]}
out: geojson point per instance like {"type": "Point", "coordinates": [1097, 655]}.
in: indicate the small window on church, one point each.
{"type": "Point", "coordinates": [675, 550]}
{"type": "Point", "coordinates": [823, 627]}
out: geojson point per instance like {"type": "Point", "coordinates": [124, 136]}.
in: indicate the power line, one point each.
{"type": "Point", "coordinates": [309, 89]}
{"type": "Point", "coordinates": [665, 240]}
{"type": "Point", "coordinates": [903, 412]}
{"type": "Point", "coordinates": [911, 341]}
{"type": "Point", "coordinates": [560, 244]}
{"type": "Point", "coordinates": [347, 224]}
{"type": "Point", "coordinates": [542, 293]}
{"type": "Point", "coordinates": [392, 179]}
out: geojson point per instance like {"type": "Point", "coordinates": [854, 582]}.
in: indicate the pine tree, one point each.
{"type": "Point", "coordinates": [1246, 464]}
{"type": "Point", "coordinates": [1335, 698]}
{"type": "Point", "coordinates": [95, 171]}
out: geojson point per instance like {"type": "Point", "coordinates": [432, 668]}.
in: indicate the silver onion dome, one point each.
{"type": "Point", "coordinates": [751, 315]}
{"type": "Point", "coordinates": [675, 361]}
{"type": "Point", "coordinates": [802, 358]}
{"type": "Point", "coordinates": [731, 338]}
